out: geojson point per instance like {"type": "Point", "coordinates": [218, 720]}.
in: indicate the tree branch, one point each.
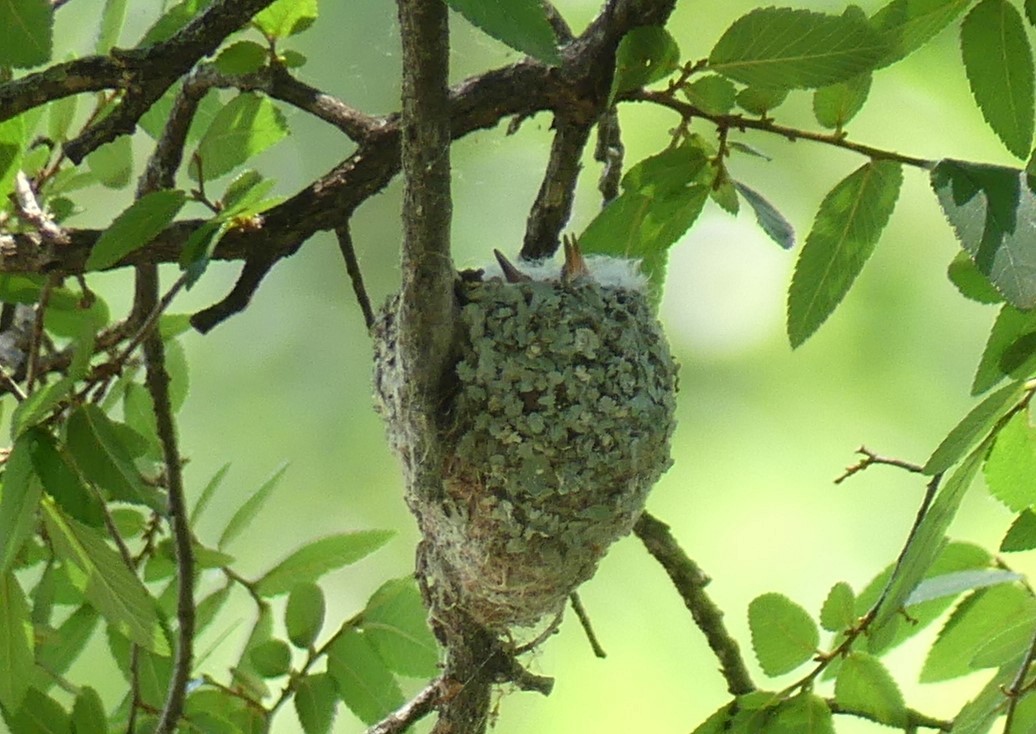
{"type": "Point", "coordinates": [690, 582]}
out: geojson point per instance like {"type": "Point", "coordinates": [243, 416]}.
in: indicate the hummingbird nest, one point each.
{"type": "Point", "coordinates": [557, 428]}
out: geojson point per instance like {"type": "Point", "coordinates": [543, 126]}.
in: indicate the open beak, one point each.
{"type": "Point", "coordinates": [575, 266]}
{"type": "Point", "coordinates": [511, 273]}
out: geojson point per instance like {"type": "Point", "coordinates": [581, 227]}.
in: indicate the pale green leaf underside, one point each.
{"type": "Point", "coordinates": [520, 24]}
{"type": "Point", "coordinates": [314, 559]}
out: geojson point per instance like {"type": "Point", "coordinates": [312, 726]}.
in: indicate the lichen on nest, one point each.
{"type": "Point", "coordinates": [557, 430]}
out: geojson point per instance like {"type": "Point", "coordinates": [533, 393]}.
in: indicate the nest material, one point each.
{"type": "Point", "coordinates": [558, 429]}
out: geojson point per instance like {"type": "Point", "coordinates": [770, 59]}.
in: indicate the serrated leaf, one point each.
{"type": "Point", "coordinates": [60, 479]}
{"type": "Point", "coordinates": [760, 100]}
{"type": "Point", "coordinates": [19, 499]}
{"type": "Point", "coordinates": [88, 715]}
{"type": "Point", "coordinates": [152, 673]}
{"type": "Point", "coordinates": [771, 221]}
{"type": "Point", "coordinates": [998, 61]}
{"type": "Point", "coordinates": [993, 213]}
{"type": "Point", "coordinates": [863, 685]}
{"type": "Point", "coordinates": [1010, 349]}
{"type": "Point", "coordinates": [520, 24]}
{"type": "Point", "coordinates": [909, 24]}
{"type": "Point", "coordinates": [928, 539]}
{"type": "Point", "coordinates": [316, 558]}
{"type": "Point", "coordinates": [783, 634]}
{"type": "Point", "coordinates": [790, 49]}
{"type": "Point", "coordinates": [28, 32]}
{"type": "Point", "coordinates": [271, 658]}
{"type": "Point", "coordinates": [364, 683]}
{"type": "Point", "coordinates": [396, 624]}
{"type": "Point", "coordinates": [284, 18]}
{"type": "Point", "coordinates": [978, 714]}
{"type": "Point", "coordinates": [954, 584]}
{"type": "Point", "coordinates": [247, 512]}
{"type": "Point", "coordinates": [98, 447]}
{"type": "Point", "coordinates": [973, 428]}
{"type": "Point", "coordinates": [803, 714]}
{"type": "Point", "coordinates": [208, 492]}
{"type": "Point", "coordinates": [973, 622]}
{"type": "Point", "coordinates": [59, 650]}
{"type": "Point", "coordinates": [1010, 468]}
{"type": "Point", "coordinates": [970, 281]}
{"type": "Point", "coordinates": [39, 714]}
{"type": "Point", "coordinates": [839, 610]}
{"type": "Point", "coordinates": [99, 573]}
{"type": "Point", "coordinates": [135, 227]}
{"type": "Point", "coordinates": [712, 94]}
{"type": "Point", "coordinates": [315, 701]}
{"type": "Point", "coordinates": [304, 614]}
{"type": "Point", "coordinates": [112, 19]}
{"type": "Point", "coordinates": [17, 659]}
{"type": "Point", "coordinates": [1009, 642]}
{"type": "Point", "coordinates": [1021, 536]}
{"type": "Point", "coordinates": [836, 104]}
{"type": "Point", "coordinates": [242, 57]}
{"type": "Point", "coordinates": [245, 127]}
{"type": "Point", "coordinates": [644, 56]}
{"type": "Point", "coordinates": [846, 229]}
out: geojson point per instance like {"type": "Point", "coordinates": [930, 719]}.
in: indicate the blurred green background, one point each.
{"type": "Point", "coordinates": [762, 431]}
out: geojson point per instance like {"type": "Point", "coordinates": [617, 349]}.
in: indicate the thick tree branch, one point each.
{"type": "Point", "coordinates": [690, 583]}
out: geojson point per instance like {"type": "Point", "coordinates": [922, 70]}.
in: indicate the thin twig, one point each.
{"type": "Point", "coordinates": [1014, 691]}
{"type": "Point", "coordinates": [352, 267]}
{"type": "Point", "coordinates": [36, 339]}
{"type": "Point", "coordinates": [414, 710]}
{"type": "Point", "coordinates": [29, 209]}
{"type": "Point", "coordinates": [609, 151]}
{"type": "Point", "coordinates": [248, 282]}
{"type": "Point", "coordinates": [690, 583]}
{"type": "Point", "coordinates": [868, 459]}
{"type": "Point", "coordinates": [584, 620]}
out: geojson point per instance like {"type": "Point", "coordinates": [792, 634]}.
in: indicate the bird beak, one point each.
{"type": "Point", "coordinates": [511, 273]}
{"type": "Point", "coordinates": [575, 266]}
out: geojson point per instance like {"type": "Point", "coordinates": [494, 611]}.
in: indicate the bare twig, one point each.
{"type": "Point", "coordinates": [414, 710]}
{"type": "Point", "coordinates": [1015, 690]}
{"type": "Point", "coordinates": [252, 274]}
{"type": "Point", "coordinates": [36, 339]}
{"type": "Point", "coordinates": [868, 459]}
{"type": "Point", "coordinates": [584, 620]}
{"type": "Point", "coordinates": [690, 583]}
{"type": "Point", "coordinates": [352, 267]}
{"type": "Point", "coordinates": [610, 152]}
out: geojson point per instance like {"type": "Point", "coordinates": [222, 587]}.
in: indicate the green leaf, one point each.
{"type": "Point", "coordinates": [909, 24]}
{"type": "Point", "coordinates": [17, 659]}
{"type": "Point", "coordinates": [63, 647]}
{"type": "Point", "coordinates": [316, 558]}
{"type": "Point", "coordinates": [836, 104]}
{"type": "Point", "coordinates": [138, 408]}
{"type": "Point", "coordinates": [1010, 349]}
{"type": "Point", "coordinates": [60, 479]}
{"type": "Point", "coordinates": [864, 686]}
{"type": "Point", "coordinates": [13, 135]}
{"type": "Point", "coordinates": [284, 18]}
{"type": "Point", "coordinates": [245, 127]}
{"type": "Point", "coordinates": [803, 714]}
{"type": "Point", "coordinates": [998, 61]}
{"type": "Point", "coordinates": [1010, 468]}
{"type": "Point", "coordinates": [60, 115]}
{"type": "Point", "coordinates": [135, 227]}
{"type": "Point", "coordinates": [364, 683]}
{"type": "Point", "coordinates": [112, 163]}
{"type": "Point", "coordinates": [771, 221]}
{"type": "Point", "coordinates": [1009, 642]}
{"type": "Point", "coordinates": [645, 55]}
{"type": "Point", "coordinates": [711, 94]}
{"type": "Point", "coordinates": [973, 622]}
{"type": "Point", "coordinates": [39, 714]}
{"type": "Point", "coordinates": [99, 449]}
{"type": "Point", "coordinates": [112, 19]}
{"type": "Point", "coordinates": [993, 212]}
{"type": "Point", "coordinates": [247, 512]}
{"type": "Point", "coordinates": [1021, 536]}
{"type": "Point", "coordinates": [28, 32]}
{"type": "Point", "coordinates": [973, 428]}
{"type": "Point", "coordinates": [396, 624]}
{"type": "Point", "coordinates": [790, 49]}
{"type": "Point", "coordinates": [242, 57]}
{"type": "Point", "coordinates": [208, 492]}
{"type": "Point", "coordinates": [271, 659]}
{"type": "Point", "coordinates": [100, 574]}
{"type": "Point", "coordinates": [19, 499]}
{"type": "Point", "coordinates": [845, 231]}
{"type": "Point", "coordinates": [304, 614]}
{"type": "Point", "coordinates": [152, 672]}
{"type": "Point", "coordinates": [520, 24]}
{"type": "Point", "coordinates": [245, 672]}
{"type": "Point", "coordinates": [970, 281]}
{"type": "Point", "coordinates": [210, 606]}
{"type": "Point", "coordinates": [760, 100]}
{"type": "Point", "coordinates": [927, 540]}
{"type": "Point", "coordinates": [783, 634]}
{"type": "Point", "coordinates": [88, 715]}
{"type": "Point", "coordinates": [315, 701]}
{"type": "Point", "coordinates": [954, 584]}
{"type": "Point", "coordinates": [839, 610]}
